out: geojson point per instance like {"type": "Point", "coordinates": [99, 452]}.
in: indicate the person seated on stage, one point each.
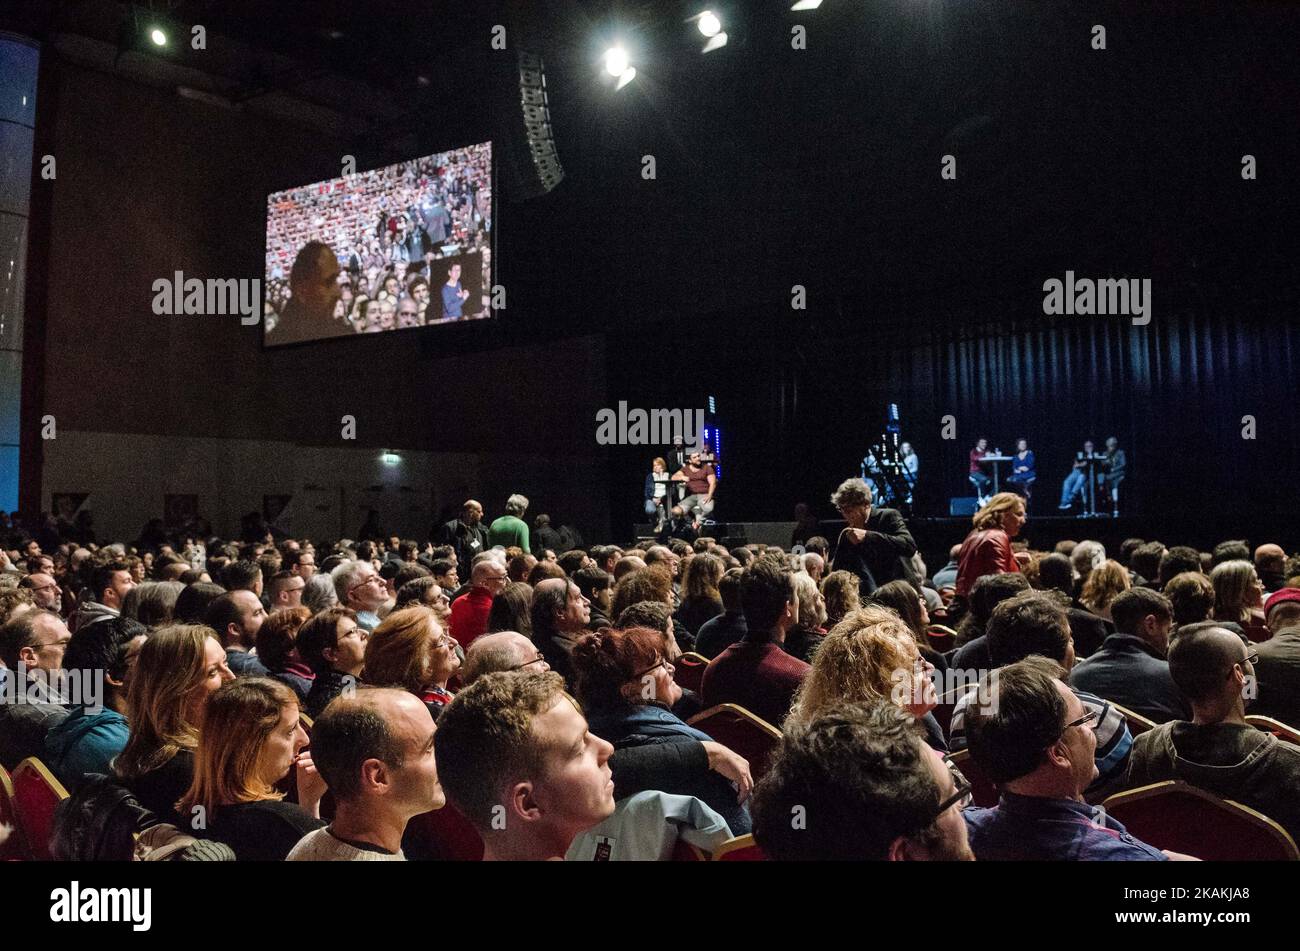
{"type": "Point", "coordinates": [657, 485]}
{"type": "Point", "coordinates": [875, 545]}
{"type": "Point", "coordinates": [1113, 465]}
{"type": "Point", "coordinates": [987, 549]}
{"type": "Point", "coordinates": [871, 789]}
{"type": "Point", "coordinates": [679, 525]}
{"type": "Point", "coordinates": [977, 476]}
{"type": "Point", "coordinates": [701, 483]}
{"type": "Point", "coordinates": [1076, 483]}
{"type": "Point", "coordinates": [910, 461]}
{"type": "Point", "coordinates": [1023, 471]}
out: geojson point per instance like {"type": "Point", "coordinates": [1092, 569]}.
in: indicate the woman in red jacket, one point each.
{"type": "Point", "coordinates": [987, 549]}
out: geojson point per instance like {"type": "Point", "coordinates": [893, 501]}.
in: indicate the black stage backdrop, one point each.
{"type": "Point", "coordinates": [800, 397]}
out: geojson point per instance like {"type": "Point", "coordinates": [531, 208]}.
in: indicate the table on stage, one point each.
{"type": "Point", "coordinates": [995, 460]}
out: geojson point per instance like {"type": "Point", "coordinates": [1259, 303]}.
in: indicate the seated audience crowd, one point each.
{"type": "Point", "coordinates": [380, 699]}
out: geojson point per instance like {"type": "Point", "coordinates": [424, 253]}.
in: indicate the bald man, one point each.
{"type": "Point", "coordinates": [469, 612]}
{"type": "Point", "coordinates": [314, 290]}
{"type": "Point", "coordinates": [1270, 565]}
{"type": "Point", "coordinates": [466, 534]}
{"type": "Point", "coordinates": [503, 650]}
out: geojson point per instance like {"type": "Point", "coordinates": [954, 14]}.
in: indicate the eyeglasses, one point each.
{"type": "Point", "coordinates": [962, 795]}
{"type": "Point", "coordinates": [539, 659]}
{"type": "Point", "coordinates": [1086, 720]}
{"type": "Point", "coordinates": [362, 584]}
{"type": "Point", "coordinates": [1250, 658]}
{"type": "Point", "coordinates": [663, 662]}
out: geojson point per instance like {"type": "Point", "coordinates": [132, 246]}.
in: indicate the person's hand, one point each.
{"type": "Point", "coordinates": [311, 784]}
{"type": "Point", "coordinates": [1022, 558]}
{"type": "Point", "coordinates": [855, 536]}
{"type": "Point", "coordinates": [731, 764]}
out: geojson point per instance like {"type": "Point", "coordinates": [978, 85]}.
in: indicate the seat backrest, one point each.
{"type": "Point", "coordinates": [1137, 723]}
{"type": "Point", "coordinates": [1276, 727]}
{"type": "Point", "coordinates": [1179, 817]}
{"type": "Point", "coordinates": [688, 670]}
{"type": "Point", "coordinates": [735, 727]}
{"type": "Point", "coordinates": [982, 790]}
{"type": "Point", "coordinates": [740, 849]}
{"type": "Point", "coordinates": [36, 795]}
{"type": "Point", "coordinates": [942, 638]}
{"type": "Point", "coordinates": [13, 847]}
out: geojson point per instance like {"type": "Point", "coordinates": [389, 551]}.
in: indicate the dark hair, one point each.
{"type": "Point", "coordinates": [985, 595]}
{"type": "Point", "coordinates": [605, 661]}
{"type": "Point", "coordinates": [1055, 573]}
{"type": "Point", "coordinates": [306, 265]}
{"type": "Point", "coordinates": [1131, 606]}
{"type": "Point", "coordinates": [651, 614]}
{"type": "Point", "coordinates": [905, 601]}
{"type": "Point", "coordinates": [817, 545]}
{"type": "Point", "coordinates": [241, 575]}
{"type": "Point", "coordinates": [592, 579]}
{"type": "Point", "coordinates": [192, 603]}
{"type": "Point", "coordinates": [765, 589]}
{"type": "Point", "coordinates": [102, 577]}
{"type": "Point", "coordinates": [1023, 716]}
{"type": "Point", "coordinates": [547, 602]}
{"type": "Point", "coordinates": [1200, 659]}
{"type": "Point", "coordinates": [349, 732]}
{"type": "Point", "coordinates": [1128, 547]}
{"type": "Point", "coordinates": [1191, 597]}
{"type": "Point", "coordinates": [857, 773]}
{"type": "Point", "coordinates": [413, 591]}
{"type": "Point", "coordinates": [1029, 623]}
{"type": "Point", "coordinates": [409, 571]}
{"type": "Point", "coordinates": [543, 570]}
{"type": "Point", "coordinates": [1176, 560]}
{"type": "Point", "coordinates": [222, 612]}
{"type": "Point", "coordinates": [1230, 551]}
{"type": "Point", "coordinates": [1146, 560]}
{"type": "Point", "coordinates": [20, 632]}
{"type": "Point", "coordinates": [102, 646]}
{"type": "Point", "coordinates": [440, 566]}
{"type": "Point", "coordinates": [510, 609]}
{"type": "Point", "coordinates": [319, 633]}
{"type": "Point", "coordinates": [572, 560]}
{"type": "Point", "coordinates": [277, 635]}
{"type": "Point", "coordinates": [729, 588]}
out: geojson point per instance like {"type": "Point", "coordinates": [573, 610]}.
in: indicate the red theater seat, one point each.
{"type": "Point", "coordinates": [737, 728]}
{"type": "Point", "coordinates": [36, 794]}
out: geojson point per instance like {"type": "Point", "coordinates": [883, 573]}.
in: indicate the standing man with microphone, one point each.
{"type": "Point", "coordinates": [875, 545]}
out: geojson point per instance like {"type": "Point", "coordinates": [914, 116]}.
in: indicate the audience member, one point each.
{"type": "Point", "coordinates": [32, 647]}
{"type": "Point", "coordinates": [237, 616]}
{"type": "Point", "coordinates": [469, 612]}
{"type": "Point", "coordinates": [559, 615]}
{"type": "Point", "coordinates": [359, 587]}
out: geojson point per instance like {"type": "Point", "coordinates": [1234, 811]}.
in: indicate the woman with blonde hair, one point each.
{"type": "Point", "coordinates": [1105, 583]}
{"type": "Point", "coordinates": [252, 737]}
{"type": "Point", "coordinates": [870, 656]}
{"type": "Point", "coordinates": [987, 549]}
{"type": "Point", "coordinates": [840, 591]}
{"type": "Point", "coordinates": [1239, 598]}
{"type": "Point", "coordinates": [803, 638]}
{"type": "Point", "coordinates": [177, 670]}
{"type": "Point", "coordinates": [410, 650]}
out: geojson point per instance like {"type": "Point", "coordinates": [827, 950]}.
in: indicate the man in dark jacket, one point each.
{"type": "Point", "coordinates": [466, 534]}
{"type": "Point", "coordinates": [1218, 750]}
{"type": "Point", "coordinates": [1130, 669]}
{"type": "Point", "coordinates": [875, 545]}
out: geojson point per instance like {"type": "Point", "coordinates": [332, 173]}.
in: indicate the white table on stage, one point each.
{"type": "Point", "coordinates": [995, 460]}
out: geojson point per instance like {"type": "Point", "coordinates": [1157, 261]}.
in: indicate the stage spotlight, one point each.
{"type": "Point", "coordinates": [616, 62]}
{"type": "Point", "coordinates": [158, 36]}
{"type": "Point", "coordinates": [715, 42]}
{"type": "Point", "coordinates": [807, 5]}
{"type": "Point", "coordinates": [709, 24]}
{"type": "Point", "coordinates": [627, 76]}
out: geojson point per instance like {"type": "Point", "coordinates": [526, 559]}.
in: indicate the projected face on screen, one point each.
{"type": "Point", "coordinates": [394, 248]}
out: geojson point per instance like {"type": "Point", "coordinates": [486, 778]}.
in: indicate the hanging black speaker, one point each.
{"type": "Point", "coordinates": [528, 146]}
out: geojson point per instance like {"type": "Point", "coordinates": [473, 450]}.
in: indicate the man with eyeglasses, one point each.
{"type": "Point", "coordinates": [501, 651]}
{"type": "Point", "coordinates": [875, 544]}
{"type": "Point", "coordinates": [1033, 738]}
{"type": "Point", "coordinates": [469, 612]}
{"type": "Point", "coordinates": [360, 588]}
{"type": "Point", "coordinates": [45, 591]}
{"type": "Point", "coordinates": [857, 782]}
{"type": "Point", "coordinates": [1217, 749]}
{"type": "Point", "coordinates": [32, 645]}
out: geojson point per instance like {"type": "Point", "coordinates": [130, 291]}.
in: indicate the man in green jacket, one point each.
{"type": "Point", "coordinates": [510, 529]}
